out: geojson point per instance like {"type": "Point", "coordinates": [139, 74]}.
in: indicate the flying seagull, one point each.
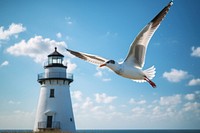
{"type": "Point", "coordinates": [132, 66]}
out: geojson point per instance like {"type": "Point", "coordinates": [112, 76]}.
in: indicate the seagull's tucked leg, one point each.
{"type": "Point", "coordinates": [150, 82]}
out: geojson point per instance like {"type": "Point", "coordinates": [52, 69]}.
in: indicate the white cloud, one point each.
{"type": "Point", "coordinates": [77, 95]}
{"type": "Point", "coordinates": [13, 30]}
{"type": "Point", "coordinates": [170, 100]}
{"type": "Point", "coordinates": [75, 106]}
{"type": "Point", "coordinates": [102, 73]}
{"type": "Point", "coordinates": [137, 111]}
{"type": "Point", "coordinates": [106, 79]}
{"type": "Point", "coordinates": [103, 98]}
{"type": "Point", "coordinates": [59, 35]}
{"type": "Point", "coordinates": [197, 92]}
{"type": "Point", "coordinates": [36, 48]}
{"type": "Point", "coordinates": [69, 20]}
{"type": "Point", "coordinates": [195, 52]}
{"type": "Point", "coordinates": [190, 96]}
{"type": "Point", "coordinates": [98, 73]}
{"type": "Point", "coordinates": [111, 108]}
{"type": "Point", "coordinates": [5, 63]}
{"type": "Point", "coordinates": [166, 112]}
{"type": "Point", "coordinates": [17, 119]}
{"type": "Point", "coordinates": [192, 106]}
{"type": "Point", "coordinates": [133, 101]}
{"type": "Point", "coordinates": [142, 102]}
{"type": "Point", "coordinates": [70, 66]}
{"type": "Point", "coordinates": [111, 34]}
{"type": "Point", "coordinates": [14, 102]}
{"type": "Point", "coordinates": [87, 104]}
{"type": "Point", "coordinates": [175, 75]}
{"type": "Point", "coordinates": [156, 110]}
{"type": "Point", "coordinates": [194, 82]}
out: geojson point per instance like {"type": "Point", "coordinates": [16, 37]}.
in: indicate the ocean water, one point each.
{"type": "Point", "coordinates": [139, 131]}
{"type": "Point", "coordinates": [119, 131]}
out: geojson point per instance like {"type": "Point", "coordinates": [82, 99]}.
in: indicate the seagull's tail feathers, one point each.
{"type": "Point", "coordinates": [150, 72]}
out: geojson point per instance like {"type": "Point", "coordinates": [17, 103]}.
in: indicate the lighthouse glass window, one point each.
{"type": "Point", "coordinates": [55, 60]}
{"type": "Point", "coordinates": [51, 93]}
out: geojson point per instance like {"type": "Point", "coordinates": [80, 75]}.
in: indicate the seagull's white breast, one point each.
{"type": "Point", "coordinates": [129, 72]}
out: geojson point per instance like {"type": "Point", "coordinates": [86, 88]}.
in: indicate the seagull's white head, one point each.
{"type": "Point", "coordinates": [109, 64]}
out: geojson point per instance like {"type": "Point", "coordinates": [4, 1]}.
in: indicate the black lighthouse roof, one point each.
{"type": "Point", "coordinates": [56, 53]}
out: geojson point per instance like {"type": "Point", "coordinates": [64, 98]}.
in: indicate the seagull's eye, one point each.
{"type": "Point", "coordinates": [111, 61]}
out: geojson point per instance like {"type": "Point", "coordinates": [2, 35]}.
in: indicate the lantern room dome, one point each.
{"type": "Point", "coordinates": [56, 53]}
{"type": "Point", "coordinates": [55, 59]}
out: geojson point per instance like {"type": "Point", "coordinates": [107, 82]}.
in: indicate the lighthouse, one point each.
{"type": "Point", "coordinates": [54, 111]}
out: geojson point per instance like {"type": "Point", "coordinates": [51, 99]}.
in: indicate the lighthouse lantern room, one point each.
{"type": "Point", "coordinates": [54, 111]}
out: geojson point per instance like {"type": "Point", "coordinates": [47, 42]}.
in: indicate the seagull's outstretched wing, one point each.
{"type": "Point", "coordinates": [137, 51]}
{"type": "Point", "coordinates": [88, 57]}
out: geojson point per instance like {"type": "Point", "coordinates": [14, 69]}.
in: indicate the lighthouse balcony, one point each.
{"type": "Point", "coordinates": [55, 75]}
{"type": "Point", "coordinates": [45, 125]}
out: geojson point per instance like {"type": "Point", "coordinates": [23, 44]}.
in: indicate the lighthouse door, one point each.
{"type": "Point", "coordinates": [49, 121]}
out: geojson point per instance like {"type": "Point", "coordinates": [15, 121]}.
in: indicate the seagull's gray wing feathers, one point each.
{"type": "Point", "coordinates": [88, 57]}
{"type": "Point", "coordinates": [137, 51]}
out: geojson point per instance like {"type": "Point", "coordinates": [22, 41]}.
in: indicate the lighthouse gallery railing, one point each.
{"type": "Point", "coordinates": [45, 125]}
{"type": "Point", "coordinates": [55, 75]}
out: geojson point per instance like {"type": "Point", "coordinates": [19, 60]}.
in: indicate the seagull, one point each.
{"type": "Point", "coordinates": [131, 67]}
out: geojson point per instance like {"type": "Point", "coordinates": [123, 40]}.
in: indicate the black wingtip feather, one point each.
{"type": "Point", "coordinates": [171, 3]}
{"type": "Point", "coordinates": [160, 16]}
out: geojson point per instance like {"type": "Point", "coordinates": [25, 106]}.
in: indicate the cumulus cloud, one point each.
{"type": "Point", "coordinates": [103, 98]}
{"type": "Point", "coordinates": [133, 101]}
{"type": "Point", "coordinates": [111, 34]}
{"type": "Point", "coordinates": [77, 95]}
{"type": "Point", "coordinates": [170, 110]}
{"type": "Point", "coordinates": [5, 63]}
{"type": "Point", "coordinates": [36, 48]}
{"type": "Point", "coordinates": [87, 104]}
{"type": "Point", "coordinates": [194, 82]}
{"type": "Point", "coordinates": [170, 100]}
{"type": "Point", "coordinates": [106, 79]}
{"type": "Point", "coordinates": [156, 110]}
{"type": "Point", "coordinates": [13, 30]}
{"type": "Point", "coordinates": [102, 74]}
{"type": "Point", "coordinates": [175, 75]}
{"type": "Point", "coordinates": [98, 73]}
{"type": "Point", "coordinates": [195, 51]}
{"type": "Point", "coordinates": [190, 96]}
{"type": "Point", "coordinates": [59, 35]}
{"type": "Point", "coordinates": [192, 106]}
{"type": "Point", "coordinates": [138, 111]}
{"type": "Point", "coordinates": [69, 20]}
{"type": "Point", "coordinates": [17, 118]}
{"type": "Point", "coordinates": [70, 66]}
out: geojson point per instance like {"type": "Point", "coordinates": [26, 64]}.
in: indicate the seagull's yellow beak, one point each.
{"type": "Point", "coordinates": [102, 65]}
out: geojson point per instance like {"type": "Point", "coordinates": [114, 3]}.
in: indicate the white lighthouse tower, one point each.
{"type": "Point", "coordinates": [54, 111]}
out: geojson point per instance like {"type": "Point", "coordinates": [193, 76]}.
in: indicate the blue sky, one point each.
{"type": "Point", "coordinates": [29, 31]}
